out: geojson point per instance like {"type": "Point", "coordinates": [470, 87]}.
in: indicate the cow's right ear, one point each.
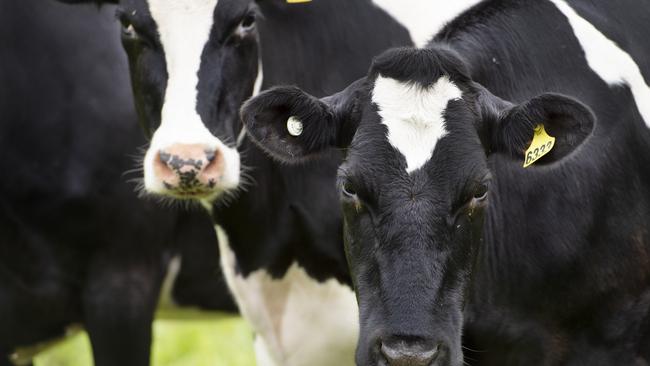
{"type": "Point", "coordinates": [292, 125]}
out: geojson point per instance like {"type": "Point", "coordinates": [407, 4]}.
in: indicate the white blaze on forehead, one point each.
{"type": "Point", "coordinates": [424, 18]}
{"type": "Point", "coordinates": [414, 115]}
{"type": "Point", "coordinates": [608, 60]}
{"type": "Point", "coordinates": [184, 29]}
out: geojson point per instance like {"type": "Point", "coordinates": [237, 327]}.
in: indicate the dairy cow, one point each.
{"type": "Point", "coordinates": [77, 247]}
{"type": "Point", "coordinates": [193, 63]}
{"type": "Point", "coordinates": [495, 188]}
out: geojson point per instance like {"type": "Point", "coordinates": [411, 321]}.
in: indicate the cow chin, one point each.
{"type": "Point", "coordinates": [200, 170]}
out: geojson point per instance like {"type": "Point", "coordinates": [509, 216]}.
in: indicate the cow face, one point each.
{"type": "Point", "coordinates": [415, 186]}
{"type": "Point", "coordinates": [193, 63]}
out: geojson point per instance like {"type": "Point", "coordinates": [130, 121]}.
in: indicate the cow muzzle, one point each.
{"type": "Point", "coordinates": [189, 170]}
{"type": "Point", "coordinates": [402, 353]}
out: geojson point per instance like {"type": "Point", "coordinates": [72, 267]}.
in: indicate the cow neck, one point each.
{"type": "Point", "coordinates": [286, 215]}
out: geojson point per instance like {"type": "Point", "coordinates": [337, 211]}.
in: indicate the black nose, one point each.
{"type": "Point", "coordinates": [409, 354]}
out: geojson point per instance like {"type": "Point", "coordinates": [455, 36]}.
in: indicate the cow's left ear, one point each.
{"type": "Point", "coordinates": [514, 127]}
{"type": "Point", "coordinates": [292, 125]}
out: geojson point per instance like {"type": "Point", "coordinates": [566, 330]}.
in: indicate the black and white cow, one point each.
{"type": "Point", "coordinates": [76, 245]}
{"type": "Point", "coordinates": [450, 240]}
{"type": "Point", "coordinates": [193, 62]}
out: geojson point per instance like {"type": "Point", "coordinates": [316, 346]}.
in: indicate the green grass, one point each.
{"type": "Point", "coordinates": [185, 339]}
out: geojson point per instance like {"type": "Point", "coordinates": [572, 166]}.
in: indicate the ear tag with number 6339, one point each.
{"type": "Point", "coordinates": [542, 144]}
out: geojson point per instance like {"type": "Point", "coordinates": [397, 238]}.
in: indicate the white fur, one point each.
{"type": "Point", "coordinates": [165, 299]}
{"type": "Point", "coordinates": [257, 87]}
{"type": "Point", "coordinates": [608, 60]}
{"type": "Point", "coordinates": [414, 115]}
{"type": "Point", "coordinates": [298, 321]}
{"type": "Point", "coordinates": [424, 18]}
{"type": "Point", "coordinates": [184, 29]}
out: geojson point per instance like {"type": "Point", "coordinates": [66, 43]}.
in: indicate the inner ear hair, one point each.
{"type": "Point", "coordinates": [266, 116]}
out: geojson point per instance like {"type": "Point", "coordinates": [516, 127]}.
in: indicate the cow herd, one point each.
{"type": "Point", "coordinates": [382, 182]}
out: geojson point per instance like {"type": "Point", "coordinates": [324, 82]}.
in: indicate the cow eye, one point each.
{"type": "Point", "coordinates": [481, 192]}
{"type": "Point", "coordinates": [348, 190]}
{"type": "Point", "coordinates": [248, 22]}
{"type": "Point", "coordinates": [128, 31]}
{"type": "Point", "coordinates": [246, 25]}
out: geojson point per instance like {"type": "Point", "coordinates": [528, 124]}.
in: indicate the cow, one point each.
{"type": "Point", "coordinates": [76, 245]}
{"type": "Point", "coordinates": [192, 64]}
{"type": "Point", "coordinates": [495, 189]}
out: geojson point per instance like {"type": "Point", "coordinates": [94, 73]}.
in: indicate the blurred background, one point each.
{"type": "Point", "coordinates": [190, 339]}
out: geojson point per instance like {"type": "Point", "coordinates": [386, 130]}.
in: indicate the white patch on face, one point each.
{"type": "Point", "coordinates": [424, 18]}
{"type": "Point", "coordinates": [298, 320]}
{"type": "Point", "coordinates": [184, 28]}
{"type": "Point", "coordinates": [608, 60]}
{"type": "Point", "coordinates": [257, 87]}
{"type": "Point", "coordinates": [414, 115]}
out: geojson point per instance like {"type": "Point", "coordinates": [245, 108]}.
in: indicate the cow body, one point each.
{"type": "Point", "coordinates": [77, 245]}
{"type": "Point", "coordinates": [447, 235]}
{"type": "Point", "coordinates": [561, 278]}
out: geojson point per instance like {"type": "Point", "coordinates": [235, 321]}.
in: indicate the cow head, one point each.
{"type": "Point", "coordinates": [414, 186]}
{"type": "Point", "coordinates": [193, 63]}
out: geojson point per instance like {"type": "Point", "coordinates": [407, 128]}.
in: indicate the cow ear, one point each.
{"type": "Point", "coordinates": [565, 121]}
{"type": "Point", "coordinates": [292, 125]}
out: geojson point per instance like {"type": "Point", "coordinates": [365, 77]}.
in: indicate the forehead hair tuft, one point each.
{"type": "Point", "coordinates": [420, 66]}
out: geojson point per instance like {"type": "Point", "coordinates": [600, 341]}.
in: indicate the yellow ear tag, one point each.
{"type": "Point", "coordinates": [542, 144]}
{"type": "Point", "coordinates": [297, 1]}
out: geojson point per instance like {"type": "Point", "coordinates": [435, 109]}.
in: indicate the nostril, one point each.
{"type": "Point", "coordinates": [164, 157]}
{"type": "Point", "coordinates": [210, 155]}
{"type": "Point", "coordinates": [405, 354]}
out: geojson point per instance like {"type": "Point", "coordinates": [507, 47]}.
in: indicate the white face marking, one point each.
{"type": "Point", "coordinates": [184, 28]}
{"type": "Point", "coordinates": [424, 18]}
{"type": "Point", "coordinates": [414, 115]}
{"type": "Point", "coordinates": [285, 313]}
{"type": "Point", "coordinates": [608, 60]}
{"type": "Point", "coordinates": [257, 87]}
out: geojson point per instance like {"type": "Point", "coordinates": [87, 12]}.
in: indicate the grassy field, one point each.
{"type": "Point", "coordinates": [188, 339]}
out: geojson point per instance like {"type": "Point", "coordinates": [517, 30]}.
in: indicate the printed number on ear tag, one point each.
{"type": "Point", "coordinates": [297, 1]}
{"type": "Point", "coordinates": [542, 144]}
{"type": "Point", "coordinates": [294, 126]}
